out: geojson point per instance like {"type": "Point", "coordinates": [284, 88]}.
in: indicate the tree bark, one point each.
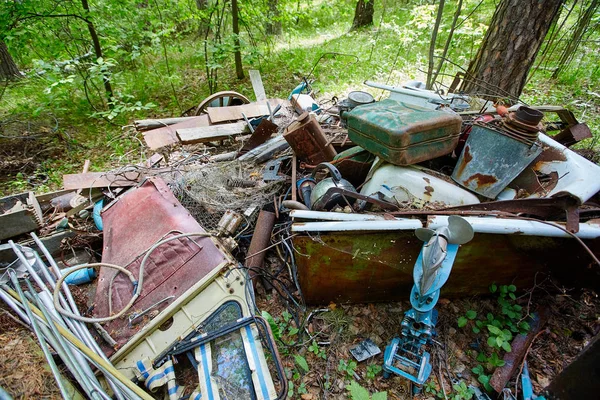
{"type": "Point", "coordinates": [273, 24]}
{"type": "Point", "coordinates": [97, 50]}
{"type": "Point", "coordinates": [236, 31]}
{"type": "Point", "coordinates": [363, 14]}
{"type": "Point", "coordinates": [509, 47]}
{"type": "Point", "coordinates": [8, 68]}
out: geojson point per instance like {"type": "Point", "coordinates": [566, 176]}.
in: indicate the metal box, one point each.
{"type": "Point", "coordinates": [402, 133]}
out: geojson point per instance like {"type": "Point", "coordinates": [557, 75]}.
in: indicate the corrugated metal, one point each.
{"type": "Point", "coordinates": [132, 224]}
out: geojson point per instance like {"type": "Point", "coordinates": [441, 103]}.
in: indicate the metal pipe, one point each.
{"type": "Point", "coordinates": [77, 327]}
{"type": "Point", "coordinates": [36, 329]}
{"type": "Point", "coordinates": [360, 226]}
{"type": "Point", "coordinates": [260, 240]}
{"type": "Point", "coordinates": [9, 301]}
{"type": "Point", "coordinates": [507, 226]}
{"type": "Point", "coordinates": [334, 216]}
{"type": "Point", "coordinates": [29, 268]}
{"type": "Point", "coordinates": [141, 394]}
{"type": "Point", "coordinates": [47, 295]}
{"type": "Point", "coordinates": [82, 376]}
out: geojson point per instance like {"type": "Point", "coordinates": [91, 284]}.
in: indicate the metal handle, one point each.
{"type": "Point", "coordinates": [335, 174]}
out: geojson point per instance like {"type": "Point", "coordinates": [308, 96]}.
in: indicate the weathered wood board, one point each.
{"type": "Point", "coordinates": [234, 113]}
{"type": "Point", "coordinates": [100, 179]}
{"type": "Point", "coordinates": [210, 133]}
{"type": "Point", "coordinates": [161, 137]}
{"type": "Point", "coordinates": [257, 85]}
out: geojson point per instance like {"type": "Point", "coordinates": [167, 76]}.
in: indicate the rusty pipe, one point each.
{"type": "Point", "coordinates": [260, 240]}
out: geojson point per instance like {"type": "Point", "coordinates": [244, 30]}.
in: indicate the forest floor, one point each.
{"type": "Point", "coordinates": [573, 320]}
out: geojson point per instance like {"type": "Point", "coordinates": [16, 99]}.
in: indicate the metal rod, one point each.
{"type": "Point", "coordinates": [84, 378]}
{"type": "Point", "coordinates": [44, 290]}
{"type": "Point", "coordinates": [77, 327]}
{"type": "Point", "coordinates": [36, 329]}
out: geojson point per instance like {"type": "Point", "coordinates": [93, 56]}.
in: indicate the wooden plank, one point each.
{"type": "Point", "coordinates": [210, 133]}
{"type": "Point", "coordinates": [165, 136]}
{"type": "Point", "coordinates": [257, 85]}
{"type": "Point", "coordinates": [147, 124]}
{"type": "Point", "coordinates": [234, 113]}
{"type": "Point", "coordinates": [100, 179]}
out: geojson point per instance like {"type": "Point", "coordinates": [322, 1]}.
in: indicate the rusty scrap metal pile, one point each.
{"type": "Point", "coordinates": [316, 203]}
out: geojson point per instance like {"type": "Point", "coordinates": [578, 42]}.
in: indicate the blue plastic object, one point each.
{"type": "Point", "coordinates": [80, 277]}
{"type": "Point", "coordinates": [96, 213]}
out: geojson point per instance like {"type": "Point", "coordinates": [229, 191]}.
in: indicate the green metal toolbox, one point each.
{"type": "Point", "coordinates": [402, 133]}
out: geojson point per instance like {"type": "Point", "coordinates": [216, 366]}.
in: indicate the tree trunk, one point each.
{"type": "Point", "coordinates": [436, 28]}
{"type": "Point", "coordinates": [236, 31]}
{"type": "Point", "coordinates": [98, 50]}
{"type": "Point", "coordinates": [8, 68]}
{"type": "Point", "coordinates": [509, 47]}
{"type": "Point", "coordinates": [363, 14]}
{"type": "Point", "coordinates": [273, 24]}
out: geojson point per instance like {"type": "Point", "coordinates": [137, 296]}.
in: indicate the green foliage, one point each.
{"type": "Point", "coordinates": [316, 350]}
{"type": "Point", "coordinates": [357, 392]}
{"type": "Point", "coordinates": [499, 329]}
{"type": "Point", "coordinates": [373, 370]}
{"type": "Point", "coordinates": [301, 362]}
{"type": "Point", "coordinates": [347, 367]}
{"type": "Point", "coordinates": [461, 392]}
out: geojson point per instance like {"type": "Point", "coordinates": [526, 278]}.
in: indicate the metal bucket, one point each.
{"type": "Point", "coordinates": [491, 159]}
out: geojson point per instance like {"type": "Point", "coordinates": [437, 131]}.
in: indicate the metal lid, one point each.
{"type": "Point", "coordinates": [359, 97]}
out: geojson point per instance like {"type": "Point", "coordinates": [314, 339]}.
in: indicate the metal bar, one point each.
{"type": "Point", "coordinates": [81, 360]}
{"type": "Point", "coordinates": [78, 327]}
{"type": "Point", "coordinates": [36, 329]}
{"type": "Point", "coordinates": [505, 226]}
{"type": "Point", "coordinates": [341, 226]}
{"type": "Point", "coordinates": [84, 378]}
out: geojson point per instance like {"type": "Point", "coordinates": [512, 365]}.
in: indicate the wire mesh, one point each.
{"type": "Point", "coordinates": [209, 191]}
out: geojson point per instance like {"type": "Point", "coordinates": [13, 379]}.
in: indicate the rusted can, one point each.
{"type": "Point", "coordinates": [308, 141]}
{"type": "Point", "coordinates": [491, 159]}
{"type": "Point", "coordinates": [402, 133]}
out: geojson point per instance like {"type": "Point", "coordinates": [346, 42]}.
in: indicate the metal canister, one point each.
{"type": "Point", "coordinates": [308, 140]}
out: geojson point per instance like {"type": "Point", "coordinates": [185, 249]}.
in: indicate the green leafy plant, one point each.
{"type": "Point", "coordinates": [431, 388]}
{"type": "Point", "coordinates": [482, 377]}
{"type": "Point", "coordinates": [357, 392]}
{"type": "Point", "coordinates": [499, 338]}
{"type": "Point", "coordinates": [316, 350]}
{"type": "Point", "coordinates": [348, 367]}
{"type": "Point", "coordinates": [461, 392]}
{"type": "Point", "coordinates": [301, 362]}
{"type": "Point", "coordinates": [373, 370]}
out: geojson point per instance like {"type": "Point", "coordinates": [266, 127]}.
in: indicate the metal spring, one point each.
{"type": "Point", "coordinates": [240, 183]}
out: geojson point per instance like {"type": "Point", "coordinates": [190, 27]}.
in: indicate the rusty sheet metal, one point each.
{"type": "Point", "coordinates": [132, 224]}
{"type": "Point", "coordinates": [263, 131]}
{"type": "Point", "coordinates": [573, 134]}
{"type": "Point", "coordinates": [377, 267]}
